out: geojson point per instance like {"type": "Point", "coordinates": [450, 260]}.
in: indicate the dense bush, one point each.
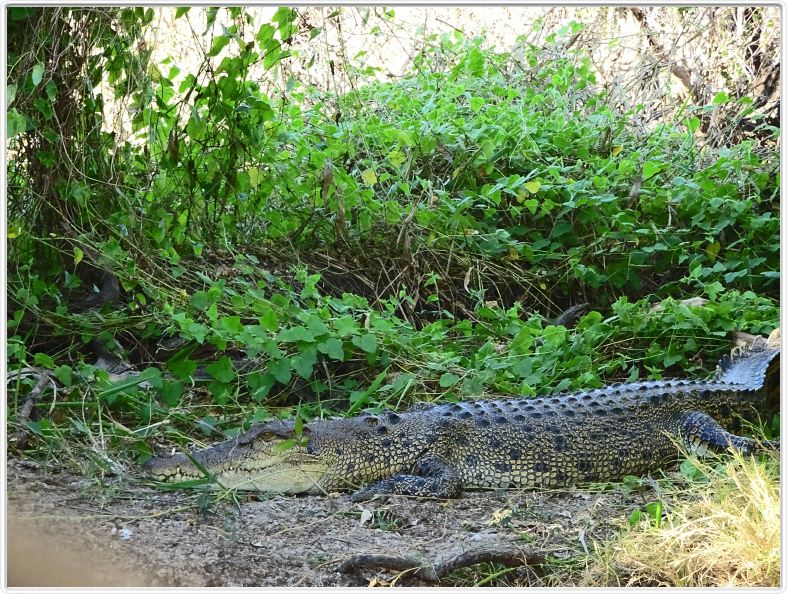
{"type": "Point", "coordinates": [307, 254]}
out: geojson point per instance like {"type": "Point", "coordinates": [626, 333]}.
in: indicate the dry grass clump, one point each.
{"type": "Point", "coordinates": [721, 532]}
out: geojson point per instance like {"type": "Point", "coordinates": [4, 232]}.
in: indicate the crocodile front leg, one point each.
{"type": "Point", "coordinates": [431, 477]}
{"type": "Point", "coordinates": [701, 433]}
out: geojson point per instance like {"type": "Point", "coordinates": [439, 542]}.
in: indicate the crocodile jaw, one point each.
{"type": "Point", "coordinates": [277, 475]}
{"type": "Point", "coordinates": [269, 466]}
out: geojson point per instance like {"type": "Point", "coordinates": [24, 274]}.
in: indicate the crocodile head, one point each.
{"type": "Point", "coordinates": [268, 458]}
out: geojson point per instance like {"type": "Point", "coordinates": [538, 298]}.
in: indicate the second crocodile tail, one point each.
{"type": "Point", "coordinates": [752, 366]}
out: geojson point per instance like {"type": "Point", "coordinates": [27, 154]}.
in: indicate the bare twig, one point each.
{"type": "Point", "coordinates": [681, 73]}
{"type": "Point", "coordinates": [636, 188]}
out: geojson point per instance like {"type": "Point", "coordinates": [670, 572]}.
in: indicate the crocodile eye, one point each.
{"type": "Point", "coordinates": [393, 418]}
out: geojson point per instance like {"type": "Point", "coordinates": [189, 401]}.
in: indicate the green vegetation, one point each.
{"type": "Point", "coordinates": [416, 249]}
{"type": "Point", "coordinates": [295, 252]}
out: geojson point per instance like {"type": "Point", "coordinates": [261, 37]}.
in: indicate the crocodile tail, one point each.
{"type": "Point", "coordinates": [751, 365]}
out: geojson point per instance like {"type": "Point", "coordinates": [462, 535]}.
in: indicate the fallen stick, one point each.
{"type": "Point", "coordinates": [412, 566]}
{"type": "Point", "coordinates": [435, 572]}
{"type": "Point", "coordinates": [20, 437]}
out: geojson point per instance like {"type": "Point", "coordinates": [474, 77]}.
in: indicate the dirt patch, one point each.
{"type": "Point", "coordinates": [123, 533]}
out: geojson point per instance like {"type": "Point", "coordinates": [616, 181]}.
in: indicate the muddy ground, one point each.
{"type": "Point", "coordinates": [66, 530]}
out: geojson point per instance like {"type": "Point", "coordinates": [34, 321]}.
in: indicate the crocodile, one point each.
{"type": "Point", "coordinates": [439, 450]}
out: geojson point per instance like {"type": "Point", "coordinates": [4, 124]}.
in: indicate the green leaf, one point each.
{"type": "Point", "coordinates": [296, 334]}
{"type": "Point", "coordinates": [712, 250]}
{"type": "Point", "coordinates": [287, 444]}
{"type": "Point", "coordinates": [260, 384]}
{"type": "Point", "coordinates": [531, 204]}
{"type": "Point", "coordinates": [403, 136]}
{"type": "Point", "coordinates": [254, 337]}
{"type": "Point", "coordinates": [476, 61]}
{"type": "Point", "coordinates": [78, 255]}
{"type": "Point", "coordinates": [200, 300]}
{"type": "Point", "coordinates": [197, 331]}
{"type": "Point", "coordinates": [366, 342]}
{"type": "Point", "coordinates": [316, 326]}
{"type": "Point", "coordinates": [651, 168]}
{"type": "Point", "coordinates": [10, 92]}
{"type": "Point", "coordinates": [270, 321]}
{"type": "Point", "coordinates": [669, 359]}
{"type": "Point", "coordinates": [220, 392]}
{"type": "Point", "coordinates": [213, 312]}
{"type": "Point", "coordinates": [265, 34]}
{"type": "Point", "coordinates": [195, 127]}
{"type": "Point", "coordinates": [212, 12]}
{"type": "Point", "coordinates": [38, 427]}
{"type": "Point", "coordinates": [63, 373]}
{"type": "Point", "coordinates": [533, 186]}
{"type": "Point", "coordinates": [692, 472]}
{"type": "Point", "coordinates": [51, 90]}
{"type": "Point", "coordinates": [16, 123]}
{"type": "Point", "coordinates": [693, 124]}
{"type": "Point", "coordinates": [720, 98]}
{"type": "Point", "coordinates": [298, 426]}
{"type": "Point", "coordinates": [655, 509]}
{"type": "Point", "coordinates": [207, 425]}
{"type": "Point", "coordinates": [303, 364]}
{"type": "Point", "coordinates": [181, 365]}
{"type": "Point", "coordinates": [283, 15]}
{"type": "Point", "coordinates": [231, 324]}
{"type": "Point", "coordinates": [181, 10]}
{"type": "Point", "coordinates": [281, 370]}
{"type": "Point", "coordinates": [731, 276]}
{"type": "Point", "coordinates": [333, 347]}
{"type": "Point", "coordinates": [369, 177]}
{"type": "Point", "coordinates": [44, 360]}
{"type": "Point", "coordinates": [273, 55]}
{"type": "Point", "coordinates": [171, 393]}
{"type": "Point", "coordinates": [47, 158]}
{"type": "Point", "coordinates": [345, 326]}
{"type": "Point", "coordinates": [713, 289]}
{"type": "Point", "coordinates": [219, 43]}
{"type": "Point", "coordinates": [396, 158]}
{"type": "Point", "coordinates": [37, 74]}
{"type": "Point", "coordinates": [448, 379]}
{"type": "Point", "coordinates": [222, 370]}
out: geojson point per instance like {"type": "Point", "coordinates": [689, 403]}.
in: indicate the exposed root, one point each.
{"type": "Point", "coordinates": [430, 572]}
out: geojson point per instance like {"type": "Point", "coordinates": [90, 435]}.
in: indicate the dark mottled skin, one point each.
{"type": "Point", "coordinates": [597, 435]}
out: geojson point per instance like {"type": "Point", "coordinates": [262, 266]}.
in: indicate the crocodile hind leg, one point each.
{"type": "Point", "coordinates": [701, 433]}
{"type": "Point", "coordinates": [431, 477]}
